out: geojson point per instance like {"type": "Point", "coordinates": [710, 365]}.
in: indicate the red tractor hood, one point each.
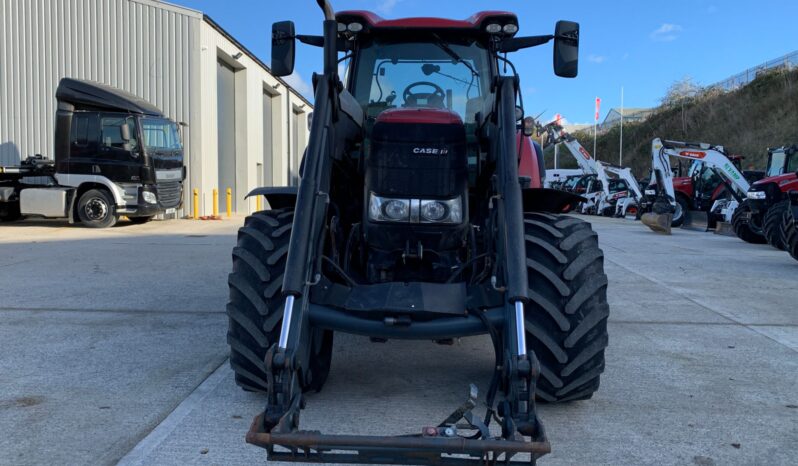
{"type": "Point", "coordinates": [786, 182]}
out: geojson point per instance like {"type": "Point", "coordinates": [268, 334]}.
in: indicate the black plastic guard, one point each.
{"type": "Point", "coordinates": [549, 200]}
{"type": "Point", "coordinates": [278, 197]}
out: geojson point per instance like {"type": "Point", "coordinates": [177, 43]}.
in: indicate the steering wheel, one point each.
{"type": "Point", "coordinates": [433, 99]}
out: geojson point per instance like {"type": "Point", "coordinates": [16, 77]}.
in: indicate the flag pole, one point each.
{"type": "Point", "coordinates": [595, 128]}
{"type": "Point", "coordinates": [620, 156]}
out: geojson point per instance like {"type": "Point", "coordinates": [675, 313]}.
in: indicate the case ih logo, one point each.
{"type": "Point", "coordinates": [430, 151]}
{"type": "Point", "coordinates": [693, 154]}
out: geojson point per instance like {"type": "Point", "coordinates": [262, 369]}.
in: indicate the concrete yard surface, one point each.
{"type": "Point", "coordinates": [113, 347]}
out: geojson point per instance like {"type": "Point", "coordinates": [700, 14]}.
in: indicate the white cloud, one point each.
{"type": "Point", "coordinates": [300, 85]}
{"type": "Point", "coordinates": [386, 6]}
{"type": "Point", "coordinates": [666, 33]}
{"type": "Point", "coordinates": [597, 58]}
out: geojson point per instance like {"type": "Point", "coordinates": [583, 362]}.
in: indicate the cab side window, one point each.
{"type": "Point", "coordinates": [83, 138]}
{"type": "Point", "coordinates": [111, 135]}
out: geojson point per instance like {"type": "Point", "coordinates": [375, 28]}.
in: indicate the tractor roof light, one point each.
{"type": "Point", "coordinates": [510, 28]}
{"type": "Point", "coordinates": [355, 27]}
{"type": "Point", "coordinates": [494, 28]}
{"type": "Point", "coordinates": [341, 27]}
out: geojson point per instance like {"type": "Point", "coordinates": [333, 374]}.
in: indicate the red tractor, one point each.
{"type": "Point", "coordinates": [420, 215]}
{"type": "Point", "coordinates": [765, 214]}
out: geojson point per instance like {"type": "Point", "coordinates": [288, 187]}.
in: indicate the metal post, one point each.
{"type": "Point", "coordinates": [258, 207]}
{"type": "Point", "coordinates": [229, 202]}
{"type": "Point", "coordinates": [620, 156]}
{"type": "Point", "coordinates": [196, 204]}
{"type": "Point", "coordinates": [215, 202]}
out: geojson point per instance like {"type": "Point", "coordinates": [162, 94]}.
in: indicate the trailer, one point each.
{"type": "Point", "coordinates": [115, 154]}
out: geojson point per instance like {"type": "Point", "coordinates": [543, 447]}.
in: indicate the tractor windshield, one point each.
{"type": "Point", "coordinates": [776, 165]}
{"type": "Point", "coordinates": [433, 74]}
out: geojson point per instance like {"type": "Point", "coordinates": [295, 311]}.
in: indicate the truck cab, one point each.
{"type": "Point", "coordinates": [115, 154]}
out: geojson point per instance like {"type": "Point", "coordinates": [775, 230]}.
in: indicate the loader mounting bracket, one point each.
{"type": "Point", "coordinates": [462, 439]}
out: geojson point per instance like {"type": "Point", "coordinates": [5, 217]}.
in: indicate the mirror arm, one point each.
{"type": "Point", "coordinates": [518, 43]}
{"type": "Point", "coordinates": [316, 41]}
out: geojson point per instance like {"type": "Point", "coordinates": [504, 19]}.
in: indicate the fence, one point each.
{"type": "Point", "coordinates": [787, 61]}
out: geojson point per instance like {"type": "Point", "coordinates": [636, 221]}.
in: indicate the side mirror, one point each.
{"type": "Point", "coordinates": [566, 49]}
{"type": "Point", "coordinates": [283, 48]}
{"type": "Point", "coordinates": [124, 131]}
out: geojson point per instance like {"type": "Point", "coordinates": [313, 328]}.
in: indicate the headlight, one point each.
{"type": "Point", "coordinates": [494, 28]}
{"type": "Point", "coordinates": [450, 211]}
{"type": "Point", "coordinates": [149, 197]}
{"type": "Point", "coordinates": [389, 210]}
{"type": "Point", "coordinates": [510, 28]}
{"type": "Point", "coordinates": [382, 209]}
{"type": "Point", "coordinates": [757, 195]}
{"type": "Point", "coordinates": [651, 192]}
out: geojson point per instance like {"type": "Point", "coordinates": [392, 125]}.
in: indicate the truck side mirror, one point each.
{"type": "Point", "coordinates": [283, 48]}
{"type": "Point", "coordinates": [566, 49]}
{"type": "Point", "coordinates": [124, 131]}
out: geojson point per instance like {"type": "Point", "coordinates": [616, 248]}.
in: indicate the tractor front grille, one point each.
{"type": "Point", "coordinates": [169, 193]}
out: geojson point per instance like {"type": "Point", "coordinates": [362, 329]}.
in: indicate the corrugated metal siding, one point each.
{"type": "Point", "coordinates": [136, 45]}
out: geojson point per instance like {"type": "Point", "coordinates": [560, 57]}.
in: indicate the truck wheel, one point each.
{"type": "Point", "coordinates": [96, 209]}
{"type": "Point", "coordinates": [9, 212]}
{"type": "Point", "coordinates": [773, 225]}
{"type": "Point", "coordinates": [682, 207]}
{"type": "Point", "coordinates": [139, 220]}
{"type": "Point", "coordinates": [742, 227]}
{"type": "Point", "coordinates": [792, 235]}
{"type": "Point", "coordinates": [566, 318]}
{"type": "Point", "coordinates": [256, 302]}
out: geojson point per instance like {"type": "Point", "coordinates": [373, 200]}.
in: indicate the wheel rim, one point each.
{"type": "Point", "coordinates": [96, 209]}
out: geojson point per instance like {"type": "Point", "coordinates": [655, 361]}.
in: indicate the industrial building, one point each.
{"type": "Point", "coordinates": [245, 127]}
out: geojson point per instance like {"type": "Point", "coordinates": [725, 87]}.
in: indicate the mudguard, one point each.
{"type": "Point", "coordinates": [549, 200]}
{"type": "Point", "coordinates": [278, 197]}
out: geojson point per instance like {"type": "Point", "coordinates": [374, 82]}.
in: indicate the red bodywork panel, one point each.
{"type": "Point", "coordinates": [528, 160]}
{"type": "Point", "coordinates": [475, 21]}
{"type": "Point", "coordinates": [421, 115]}
{"type": "Point", "coordinates": [684, 185]}
{"type": "Point", "coordinates": [786, 182]}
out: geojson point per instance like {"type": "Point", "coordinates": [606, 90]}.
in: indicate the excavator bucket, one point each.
{"type": "Point", "coordinates": [696, 220]}
{"type": "Point", "coordinates": [660, 223]}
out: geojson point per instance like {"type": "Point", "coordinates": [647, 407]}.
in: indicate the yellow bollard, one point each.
{"type": "Point", "coordinates": [196, 203]}
{"type": "Point", "coordinates": [215, 202]}
{"type": "Point", "coordinates": [257, 204]}
{"type": "Point", "coordinates": [229, 202]}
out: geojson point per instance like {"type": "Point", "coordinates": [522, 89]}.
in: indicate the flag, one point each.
{"type": "Point", "coordinates": [598, 107]}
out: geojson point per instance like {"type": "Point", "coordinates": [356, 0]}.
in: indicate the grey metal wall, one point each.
{"type": "Point", "coordinates": [141, 46]}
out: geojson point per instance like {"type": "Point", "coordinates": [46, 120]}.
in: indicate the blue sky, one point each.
{"type": "Point", "coordinates": [642, 45]}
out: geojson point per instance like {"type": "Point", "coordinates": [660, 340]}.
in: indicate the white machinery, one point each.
{"type": "Point", "coordinates": [700, 199]}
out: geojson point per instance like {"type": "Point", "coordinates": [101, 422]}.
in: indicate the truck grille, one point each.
{"type": "Point", "coordinates": [169, 193]}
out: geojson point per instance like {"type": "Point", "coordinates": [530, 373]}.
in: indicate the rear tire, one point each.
{"type": "Point", "coordinates": [773, 225]}
{"type": "Point", "coordinates": [682, 208]}
{"type": "Point", "coordinates": [96, 209]}
{"type": "Point", "coordinates": [792, 234]}
{"type": "Point", "coordinates": [742, 227]}
{"type": "Point", "coordinates": [566, 318]}
{"type": "Point", "coordinates": [256, 302]}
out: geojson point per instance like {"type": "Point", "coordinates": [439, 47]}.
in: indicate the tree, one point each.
{"type": "Point", "coordinates": [680, 91]}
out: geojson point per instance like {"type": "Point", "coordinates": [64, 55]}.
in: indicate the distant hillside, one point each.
{"type": "Point", "coordinates": [746, 121]}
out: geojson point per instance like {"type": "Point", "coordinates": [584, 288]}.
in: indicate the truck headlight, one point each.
{"type": "Point", "coordinates": [757, 195]}
{"type": "Point", "coordinates": [149, 197]}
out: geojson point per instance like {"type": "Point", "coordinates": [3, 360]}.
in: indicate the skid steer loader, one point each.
{"type": "Point", "coordinates": [418, 216]}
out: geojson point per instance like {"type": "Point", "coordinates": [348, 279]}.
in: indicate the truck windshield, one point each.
{"type": "Point", "coordinates": [160, 134]}
{"type": "Point", "coordinates": [776, 166]}
{"type": "Point", "coordinates": [422, 74]}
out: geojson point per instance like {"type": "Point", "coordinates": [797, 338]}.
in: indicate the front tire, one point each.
{"type": "Point", "coordinates": [742, 226]}
{"type": "Point", "coordinates": [256, 303]}
{"type": "Point", "coordinates": [773, 225]}
{"type": "Point", "coordinates": [566, 318]}
{"type": "Point", "coordinates": [682, 207]}
{"type": "Point", "coordinates": [792, 234]}
{"type": "Point", "coordinates": [96, 209]}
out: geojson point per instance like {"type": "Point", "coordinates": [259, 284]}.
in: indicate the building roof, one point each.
{"type": "Point", "coordinates": [632, 112]}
